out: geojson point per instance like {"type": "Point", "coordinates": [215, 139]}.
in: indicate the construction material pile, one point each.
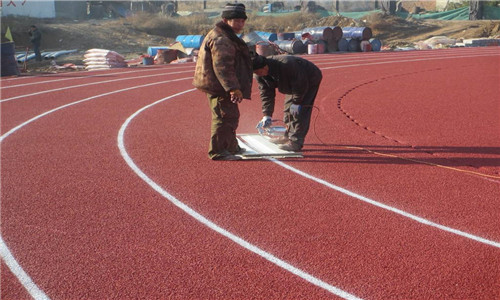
{"type": "Point", "coordinates": [315, 40]}
{"type": "Point", "coordinates": [102, 59]}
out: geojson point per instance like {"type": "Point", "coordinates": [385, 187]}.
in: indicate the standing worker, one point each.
{"type": "Point", "coordinates": [36, 40]}
{"type": "Point", "coordinates": [299, 80]}
{"type": "Point", "coordinates": [224, 72]}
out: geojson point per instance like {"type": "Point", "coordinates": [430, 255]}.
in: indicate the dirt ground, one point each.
{"type": "Point", "coordinates": [123, 37]}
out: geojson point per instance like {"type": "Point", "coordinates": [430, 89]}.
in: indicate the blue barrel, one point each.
{"type": "Point", "coordinates": [376, 44]}
{"type": "Point", "coordinates": [190, 41]}
{"type": "Point", "coordinates": [343, 44]}
{"type": "Point", "coordinates": [360, 33]}
{"type": "Point", "coordinates": [153, 50]}
{"type": "Point", "coordinates": [353, 45]}
{"type": "Point", "coordinates": [9, 62]}
{"type": "Point", "coordinates": [268, 35]}
{"type": "Point", "coordinates": [292, 46]}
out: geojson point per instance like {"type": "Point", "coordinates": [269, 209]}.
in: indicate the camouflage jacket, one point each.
{"type": "Point", "coordinates": [224, 63]}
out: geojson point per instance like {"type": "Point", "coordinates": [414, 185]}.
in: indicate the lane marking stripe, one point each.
{"type": "Point", "coordinates": [200, 218]}
{"type": "Point", "coordinates": [387, 207]}
{"type": "Point", "coordinates": [5, 253]}
{"type": "Point", "coordinates": [90, 83]}
{"type": "Point", "coordinates": [18, 271]}
{"type": "Point", "coordinates": [83, 100]}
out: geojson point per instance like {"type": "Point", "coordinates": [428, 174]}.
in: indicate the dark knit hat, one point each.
{"type": "Point", "coordinates": [258, 62]}
{"type": "Point", "coordinates": [234, 11]}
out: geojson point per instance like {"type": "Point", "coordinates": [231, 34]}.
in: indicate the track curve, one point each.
{"type": "Point", "coordinates": [398, 147]}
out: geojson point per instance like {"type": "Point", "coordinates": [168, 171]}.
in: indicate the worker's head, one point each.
{"type": "Point", "coordinates": [259, 65]}
{"type": "Point", "coordinates": [234, 15]}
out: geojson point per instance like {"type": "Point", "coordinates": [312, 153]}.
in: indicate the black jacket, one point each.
{"type": "Point", "coordinates": [291, 75]}
{"type": "Point", "coordinates": [36, 37]}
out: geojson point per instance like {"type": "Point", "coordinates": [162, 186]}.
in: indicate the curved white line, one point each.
{"type": "Point", "coordinates": [88, 84]}
{"type": "Point", "coordinates": [16, 269]}
{"type": "Point", "coordinates": [387, 207]}
{"type": "Point", "coordinates": [98, 74]}
{"type": "Point", "coordinates": [200, 218]}
{"type": "Point", "coordinates": [80, 101]}
{"type": "Point", "coordinates": [5, 253]}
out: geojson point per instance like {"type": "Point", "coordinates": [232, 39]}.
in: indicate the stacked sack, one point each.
{"type": "Point", "coordinates": [102, 59]}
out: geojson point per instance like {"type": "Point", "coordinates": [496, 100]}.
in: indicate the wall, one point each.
{"type": "Point", "coordinates": [30, 8]}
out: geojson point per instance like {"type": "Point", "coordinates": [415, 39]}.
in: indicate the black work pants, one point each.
{"type": "Point", "coordinates": [297, 127]}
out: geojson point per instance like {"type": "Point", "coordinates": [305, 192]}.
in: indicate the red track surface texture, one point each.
{"type": "Point", "coordinates": [107, 191]}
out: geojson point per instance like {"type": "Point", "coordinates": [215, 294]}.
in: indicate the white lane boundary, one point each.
{"type": "Point", "coordinates": [84, 100]}
{"type": "Point", "coordinates": [90, 83]}
{"type": "Point", "coordinates": [5, 253]}
{"type": "Point", "coordinates": [404, 61]}
{"type": "Point", "coordinates": [18, 271]}
{"type": "Point", "coordinates": [94, 74]}
{"type": "Point", "coordinates": [387, 207]}
{"type": "Point", "coordinates": [200, 218]}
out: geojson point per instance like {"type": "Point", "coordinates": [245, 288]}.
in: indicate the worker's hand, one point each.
{"type": "Point", "coordinates": [265, 122]}
{"type": "Point", "coordinates": [236, 96]}
{"type": "Point", "coordinates": [295, 109]}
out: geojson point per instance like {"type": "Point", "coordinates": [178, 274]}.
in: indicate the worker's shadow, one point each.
{"type": "Point", "coordinates": [475, 157]}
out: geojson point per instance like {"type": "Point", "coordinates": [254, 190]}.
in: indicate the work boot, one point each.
{"type": "Point", "coordinates": [240, 151]}
{"type": "Point", "coordinates": [227, 157]}
{"type": "Point", "coordinates": [279, 140]}
{"type": "Point", "coordinates": [290, 146]}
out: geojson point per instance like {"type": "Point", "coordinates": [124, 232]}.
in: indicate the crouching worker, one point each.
{"type": "Point", "coordinates": [299, 80]}
{"type": "Point", "coordinates": [224, 72]}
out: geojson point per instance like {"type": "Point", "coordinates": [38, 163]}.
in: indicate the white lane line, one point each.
{"type": "Point", "coordinates": [5, 253]}
{"type": "Point", "coordinates": [97, 75]}
{"type": "Point", "coordinates": [16, 269]}
{"type": "Point", "coordinates": [404, 60]}
{"type": "Point", "coordinates": [335, 61]}
{"type": "Point", "coordinates": [200, 218]}
{"type": "Point", "coordinates": [387, 207]}
{"type": "Point", "coordinates": [83, 100]}
{"type": "Point", "coordinates": [91, 83]}
{"type": "Point", "coordinates": [395, 58]}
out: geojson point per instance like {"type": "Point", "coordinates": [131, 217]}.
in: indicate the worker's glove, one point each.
{"type": "Point", "coordinates": [265, 122]}
{"type": "Point", "coordinates": [236, 96]}
{"type": "Point", "coordinates": [295, 109]}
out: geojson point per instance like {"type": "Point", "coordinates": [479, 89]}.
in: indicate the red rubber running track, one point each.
{"type": "Point", "coordinates": [107, 191]}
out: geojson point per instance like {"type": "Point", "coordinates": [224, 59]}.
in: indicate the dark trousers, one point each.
{"type": "Point", "coordinates": [297, 127]}
{"type": "Point", "coordinates": [225, 118]}
{"type": "Point", "coordinates": [36, 49]}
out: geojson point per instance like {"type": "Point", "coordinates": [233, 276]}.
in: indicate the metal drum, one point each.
{"type": "Point", "coordinates": [286, 36]}
{"type": "Point", "coordinates": [337, 33]}
{"type": "Point", "coordinates": [360, 33]}
{"type": "Point", "coordinates": [268, 35]}
{"type": "Point", "coordinates": [353, 45]}
{"type": "Point", "coordinates": [312, 48]}
{"type": "Point", "coordinates": [319, 33]}
{"type": "Point", "coordinates": [342, 44]}
{"type": "Point", "coordinates": [291, 46]}
{"type": "Point", "coordinates": [190, 41]}
{"type": "Point", "coordinates": [252, 38]}
{"type": "Point", "coordinates": [265, 48]}
{"type": "Point", "coordinates": [376, 44]}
